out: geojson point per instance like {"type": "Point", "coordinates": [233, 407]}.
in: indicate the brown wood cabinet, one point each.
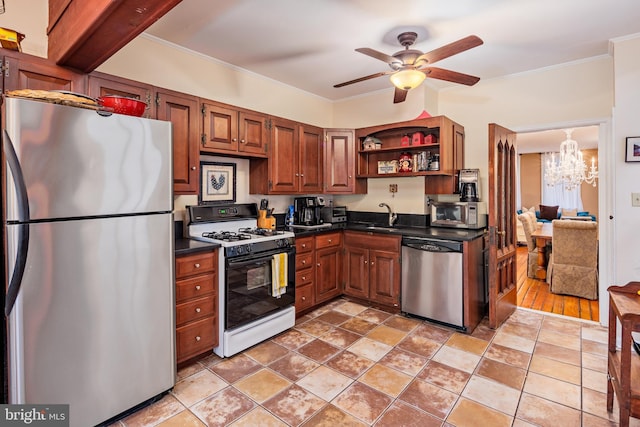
{"type": "Point", "coordinates": [328, 266]}
{"type": "Point", "coordinates": [449, 145]}
{"type": "Point", "coordinates": [305, 273]}
{"type": "Point", "coordinates": [22, 71]}
{"type": "Point", "coordinates": [340, 163]}
{"type": "Point", "coordinates": [228, 131]}
{"type": "Point", "coordinates": [196, 304]}
{"type": "Point", "coordinates": [372, 267]}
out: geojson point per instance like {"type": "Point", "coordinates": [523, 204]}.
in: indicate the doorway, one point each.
{"type": "Point", "coordinates": [532, 293]}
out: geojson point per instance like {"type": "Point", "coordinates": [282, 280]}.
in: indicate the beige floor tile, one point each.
{"type": "Point", "coordinates": [363, 402]}
{"type": "Point", "coordinates": [223, 408]}
{"type": "Point", "coordinates": [439, 402]}
{"type": "Point", "coordinates": [164, 409]}
{"type": "Point", "coordinates": [561, 325]}
{"type": "Point", "coordinates": [432, 332]}
{"type": "Point", "coordinates": [325, 382]}
{"type": "Point", "coordinates": [350, 364]}
{"type": "Point", "coordinates": [293, 339]}
{"type": "Point", "coordinates": [262, 385]}
{"type": "Point", "coordinates": [339, 337]}
{"type": "Point", "coordinates": [374, 316]}
{"type": "Point", "coordinates": [444, 376]}
{"type": "Point", "coordinates": [319, 350]}
{"type": "Point", "coordinates": [420, 345]}
{"type": "Point", "coordinates": [402, 323]}
{"type": "Point", "coordinates": [514, 341]}
{"type": "Point", "coordinates": [386, 380]}
{"type": "Point", "coordinates": [541, 412]}
{"type": "Point", "coordinates": [330, 416]}
{"type": "Point", "coordinates": [520, 330]}
{"type": "Point", "coordinates": [502, 373]}
{"type": "Point", "coordinates": [185, 418]}
{"type": "Point", "coordinates": [483, 331]}
{"type": "Point", "coordinates": [552, 389]}
{"type": "Point", "coordinates": [359, 326]}
{"type": "Point", "coordinates": [500, 353]}
{"type": "Point", "coordinates": [267, 352]}
{"type": "Point", "coordinates": [197, 387]}
{"type": "Point", "coordinates": [561, 340]}
{"type": "Point", "coordinates": [594, 347]}
{"type": "Point", "coordinates": [596, 333]}
{"type": "Point", "coordinates": [236, 367]}
{"type": "Point", "coordinates": [334, 317]}
{"type": "Point", "coordinates": [294, 405]}
{"type": "Point", "coordinates": [314, 327]}
{"type": "Point", "coordinates": [468, 413]}
{"type": "Point", "coordinates": [526, 317]}
{"type": "Point", "coordinates": [373, 350]}
{"type": "Point", "coordinates": [594, 380]}
{"type": "Point", "coordinates": [386, 334]}
{"type": "Point", "coordinates": [589, 420]}
{"type": "Point", "coordinates": [401, 414]}
{"type": "Point", "coordinates": [457, 358]}
{"type": "Point", "coordinates": [594, 362]}
{"type": "Point", "coordinates": [557, 353]}
{"type": "Point", "coordinates": [294, 366]}
{"type": "Point", "coordinates": [350, 308]}
{"type": "Point", "coordinates": [595, 403]}
{"type": "Point", "coordinates": [403, 361]}
{"type": "Point", "coordinates": [467, 343]}
{"type": "Point", "coordinates": [555, 369]}
{"type": "Point", "coordinates": [258, 417]}
{"type": "Point", "coordinates": [492, 394]}
{"type": "Point", "coordinates": [189, 370]}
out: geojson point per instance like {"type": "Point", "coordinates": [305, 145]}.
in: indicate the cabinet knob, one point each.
{"type": "Point", "coordinates": [304, 277]}
{"type": "Point", "coordinates": [297, 174]}
{"type": "Point", "coordinates": [304, 298]}
{"type": "Point", "coordinates": [196, 265]}
{"type": "Point", "coordinates": [304, 261]}
{"type": "Point", "coordinates": [197, 287]}
{"type": "Point", "coordinates": [318, 264]}
{"type": "Point", "coordinates": [304, 246]}
{"type": "Point", "coordinates": [366, 262]}
{"type": "Point", "coordinates": [234, 139]}
{"type": "Point", "coordinates": [349, 176]}
{"type": "Point", "coordinates": [302, 175]}
{"type": "Point", "coordinates": [372, 262]}
{"type": "Point", "coordinates": [198, 310]}
{"type": "Point", "coordinates": [329, 240]}
{"type": "Point", "coordinates": [242, 141]}
{"type": "Point", "coordinates": [198, 338]}
{"type": "Point", "coordinates": [193, 168]}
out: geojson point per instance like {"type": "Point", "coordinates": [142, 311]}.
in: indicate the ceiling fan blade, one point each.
{"type": "Point", "coordinates": [450, 49]}
{"type": "Point", "coordinates": [450, 76]}
{"type": "Point", "coordinates": [379, 55]}
{"type": "Point", "coordinates": [399, 95]}
{"type": "Point", "coordinates": [361, 79]}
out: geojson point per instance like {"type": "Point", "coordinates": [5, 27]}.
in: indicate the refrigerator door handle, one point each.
{"type": "Point", "coordinates": [23, 227]}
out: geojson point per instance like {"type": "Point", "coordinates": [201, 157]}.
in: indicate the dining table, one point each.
{"type": "Point", "coordinates": [542, 235]}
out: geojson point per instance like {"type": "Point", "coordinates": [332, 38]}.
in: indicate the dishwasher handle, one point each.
{"type": "Point", "coordinates": [432, 245]}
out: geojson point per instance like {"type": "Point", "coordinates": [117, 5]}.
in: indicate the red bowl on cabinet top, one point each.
{"type": "Point", "coordinates": [123, 105]}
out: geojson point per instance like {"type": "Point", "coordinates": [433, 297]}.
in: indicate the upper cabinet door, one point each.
{"type": "Point", "coordinates": [102, 85]}
{"type": "Point", "coordinates": [26, 72]}
{"type": "Point", "coordinates": [339, 161]}
{"type": "Point", "coordinates": [283, 166]}
{"type": "Point", "coordinates": [182, 111]}
{"type": "Point", "coordinates": [311, 160]}
{"type": "Point", "coordinates": [219, 128]}
{"type": "Point", "coordinates": [253, 133]}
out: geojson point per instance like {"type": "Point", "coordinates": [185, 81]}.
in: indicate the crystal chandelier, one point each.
{"type": "Point", "coordinates": [569, 169]}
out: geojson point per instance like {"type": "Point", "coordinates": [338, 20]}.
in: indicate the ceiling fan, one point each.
{"type": "Point", "coordinates": [409, 67]}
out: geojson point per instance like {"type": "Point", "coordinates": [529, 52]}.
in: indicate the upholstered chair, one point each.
{"type": "Point", "coordinates": [529, 225]}
{"type": "Point", "coordinates": [573, 267]}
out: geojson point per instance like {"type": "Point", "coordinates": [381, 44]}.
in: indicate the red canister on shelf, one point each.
{"type": "Point", "coordinates": [417, 138]}
{"type": "Point", "coordinates": [430, 139]}
{"type": "Point", "coordinates": [404, 142]}
{"type": "Point", "coordinates": [405, 162]}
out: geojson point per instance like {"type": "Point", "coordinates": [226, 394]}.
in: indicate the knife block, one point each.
{"type": "Point", "coordinates": [264, 221]}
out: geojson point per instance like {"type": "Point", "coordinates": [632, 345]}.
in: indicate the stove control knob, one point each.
{"type": "Point", "coordinates": [247, 248]}
{"type": "Point", "coordinates": [240, 250]}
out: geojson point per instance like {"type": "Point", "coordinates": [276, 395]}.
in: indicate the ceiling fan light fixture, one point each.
{"type": "Point", "coordinates": [407, 79]}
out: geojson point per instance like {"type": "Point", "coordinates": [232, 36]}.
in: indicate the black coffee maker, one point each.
{"type": "Point", "coordinates": [468, 185]}
{"type": "Point", "coordinates": [308, 210]}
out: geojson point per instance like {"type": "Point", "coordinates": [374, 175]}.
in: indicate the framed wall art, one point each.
{"type": "Point", "coordinates": [633, 149]}
{"type": "Point", "coordinates": [217, 183]}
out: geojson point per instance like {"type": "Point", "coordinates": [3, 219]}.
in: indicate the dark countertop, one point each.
{"type": "Point", "coordinates": [458, 235]}
{"type": "Point", "coordinates": [187, 246]}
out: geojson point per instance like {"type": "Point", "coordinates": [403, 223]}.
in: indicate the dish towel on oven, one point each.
{"type": "Point", "coordinates": [279, 275]}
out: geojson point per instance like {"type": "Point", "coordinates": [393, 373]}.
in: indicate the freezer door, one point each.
{"type": "Point", "coordinates": [93, 325]}
{"type": "Point", "coordinates": [77, 163]}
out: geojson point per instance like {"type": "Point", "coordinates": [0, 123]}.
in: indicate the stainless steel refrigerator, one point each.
{"type": "Point", "coordinates": [90, 259]}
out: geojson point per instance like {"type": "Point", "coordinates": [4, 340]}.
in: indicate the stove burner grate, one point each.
{"type": "Point", "coordinates": [226, 236]}
{"type": "Point", "coordinates": [261, 231]}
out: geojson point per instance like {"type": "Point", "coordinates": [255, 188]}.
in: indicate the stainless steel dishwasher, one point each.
{"type": "Point", "coordinates": [432, 280]}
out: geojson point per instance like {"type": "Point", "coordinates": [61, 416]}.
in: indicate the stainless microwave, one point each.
{"type": "Point", "coordinates": [471, 215]}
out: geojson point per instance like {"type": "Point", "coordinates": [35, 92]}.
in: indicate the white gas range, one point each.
{"type": "Point", "coordinates": [251, 308]}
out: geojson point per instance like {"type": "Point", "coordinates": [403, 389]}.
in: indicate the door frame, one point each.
{"type": "Point", "coordinates": [606, 198]}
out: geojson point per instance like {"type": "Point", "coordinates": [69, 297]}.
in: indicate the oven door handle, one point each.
{"type": "Point", "coordinates": [265, 257]}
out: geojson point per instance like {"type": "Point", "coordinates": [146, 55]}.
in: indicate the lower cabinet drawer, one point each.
{"type": "Point", "coordinates": [196, 338]}
{"type": "Point", "coordinates": [195, 287]}
{"type": "Point", "coordinates": [304, 297]}
{"type": "Point", "coordinates": [304, 260]}
{"type": "Point", "coordinates": [194, 310]}
{"type": "Point", "coordinates": [304, 277]}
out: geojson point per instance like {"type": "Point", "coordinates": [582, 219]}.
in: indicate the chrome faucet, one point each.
{"type": "Point", "coordinates": [393, 217]}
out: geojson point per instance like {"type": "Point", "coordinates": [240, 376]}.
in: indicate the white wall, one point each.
{"type": "Point", "coordinates": [31, 19]}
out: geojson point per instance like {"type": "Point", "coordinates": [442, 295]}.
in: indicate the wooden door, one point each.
{"type": "Point", "coordinates": [25, 72]}
{"type": "Point", "coordinates": [339, 162]}
{"type": "Point", "coordinates": [328, 273]}
{"type": "Point", "coordinates": [384, 277]}
{"type": "Point", "coordinates": [310, 160]}
{"type": "Point", "coordinates": [252, 133]}
{"type": "Point", "coordinates": [356, 273]}
{"type": "Point", "coordinates": [103, 85]}
{"type": "Point", "coordinates": [283, 164]}
{"type": "Point", "coordinates": [219, 128]}
{"type": "Point", "coordinates": [502, 224]}
{"type": "Point", "coordinates": [182, 111]}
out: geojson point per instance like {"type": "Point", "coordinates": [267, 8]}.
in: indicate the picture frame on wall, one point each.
{"type": "Point", "coordinates": [217, 183]}
{"type": "Point", "coordinates": [633, 149]}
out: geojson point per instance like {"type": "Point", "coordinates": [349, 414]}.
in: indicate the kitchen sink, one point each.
{"type": "Point", "coordinates": [378, 228]}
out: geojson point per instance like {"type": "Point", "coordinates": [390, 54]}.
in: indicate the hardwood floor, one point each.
{"type": "Point", "coordinates": [534, 294]}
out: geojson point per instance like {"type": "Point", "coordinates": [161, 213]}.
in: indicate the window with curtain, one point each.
{"type": "Point", "coordinates": [558, 195]}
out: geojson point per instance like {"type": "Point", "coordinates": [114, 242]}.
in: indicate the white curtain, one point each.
{"type": "Point", "coordinates": [558, 195]}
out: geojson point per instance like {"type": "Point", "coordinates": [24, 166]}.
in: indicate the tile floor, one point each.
{"type": "Point", "coordinates": [349, 365]}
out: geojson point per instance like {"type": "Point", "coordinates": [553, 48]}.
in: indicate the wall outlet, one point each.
{"type": "Point", "coordinates": [393, 188]}
{"type": "Point", "coordinates": [635, 199]}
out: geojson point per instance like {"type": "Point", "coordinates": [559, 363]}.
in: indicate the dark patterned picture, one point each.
{"type": "Point", "coordinates": [633, 149]}
{"type": "Point", "coordinates": [217, 183]}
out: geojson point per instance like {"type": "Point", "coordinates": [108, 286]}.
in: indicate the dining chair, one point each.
{"type": "Point", "coordinates": [529, 225]}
